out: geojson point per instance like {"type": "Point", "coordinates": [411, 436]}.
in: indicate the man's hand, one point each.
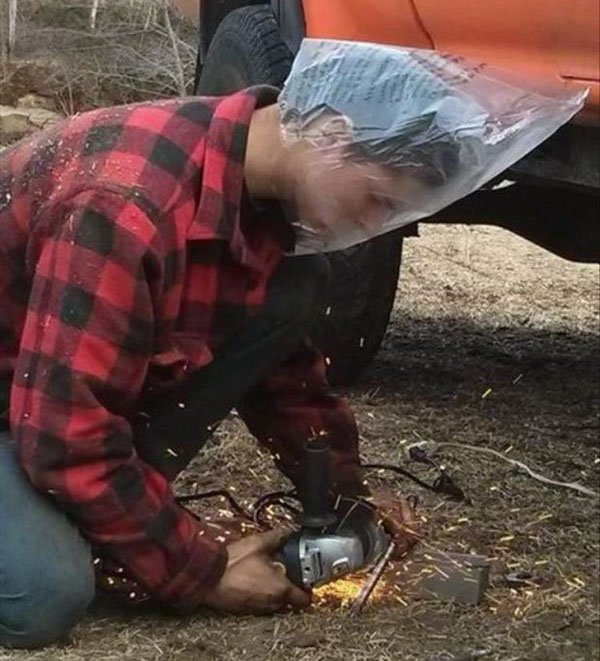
{"type": "Point", "coordinates": [400, 520]}
{"type": "Point", "coordinates": [253, 583]}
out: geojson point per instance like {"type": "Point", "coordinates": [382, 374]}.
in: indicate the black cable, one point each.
{"type": "Point", "coordinates": [274, 498]}
{"type": "Point", "coordinates": [443, 484]}
{"type": "Point", "coordinates": [288, 493]}
{"type": "Point", "coordinates": [235, 506]}
{"type": "Point", "coordinates": [279, 502]}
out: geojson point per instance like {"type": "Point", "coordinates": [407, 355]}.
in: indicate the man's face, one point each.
{"type": "Point", "coordinates": [334, 195]}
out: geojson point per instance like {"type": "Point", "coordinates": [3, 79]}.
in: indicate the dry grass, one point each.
{"type": "Point", "coordinates": [477, 308]}
{"type": "Point", "coordinates": [136, 50]}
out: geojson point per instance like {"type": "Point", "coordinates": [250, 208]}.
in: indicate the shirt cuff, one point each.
{"type": "Point", "coordinates": [207, 562]}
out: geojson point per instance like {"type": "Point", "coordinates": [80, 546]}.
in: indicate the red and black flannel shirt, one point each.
{"type": "Point", "coordinates": [121, 243]}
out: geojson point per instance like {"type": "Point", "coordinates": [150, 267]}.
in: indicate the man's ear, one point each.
{"type": "Point", "coordinates": [322, 131]}
{"type": "Point", "coordinates": [334, 131]}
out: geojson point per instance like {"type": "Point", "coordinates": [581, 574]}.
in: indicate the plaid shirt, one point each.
{"type": "Point", "coordinates": [121, 250]}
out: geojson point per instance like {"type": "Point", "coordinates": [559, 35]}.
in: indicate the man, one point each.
{"type": "Point", "coordinates": [144, 294]}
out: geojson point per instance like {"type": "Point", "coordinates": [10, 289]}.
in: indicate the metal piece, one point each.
{"type": "Point", "coordinates": [372, 581]}
{"type": "Point", "coordinates": [451, 577]}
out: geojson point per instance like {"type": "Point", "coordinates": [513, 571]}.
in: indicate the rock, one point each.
{"type": "Point", "coordinates": [42, 118]}
{"type": "Point", "coordinates": [16, 122]}
{"type": "Point", "coordinates": [36, 101]}
{"type": "Point", "coordinates": [13, 122]}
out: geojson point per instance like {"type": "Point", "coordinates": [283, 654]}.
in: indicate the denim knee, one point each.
{"type": "Point", "coordinates": [46, 567]}
{"type": "Point", "coordinates": [43, 608]}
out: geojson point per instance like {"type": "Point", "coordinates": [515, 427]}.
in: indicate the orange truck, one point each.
{"type": "Point", "coordinates": [555, 191]}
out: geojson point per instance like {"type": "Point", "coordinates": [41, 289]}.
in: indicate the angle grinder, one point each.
{"type": "Point", "coordinates": [336, 538]}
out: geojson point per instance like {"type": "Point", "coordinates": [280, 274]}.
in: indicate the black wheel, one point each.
{"type": "Point", "coordinates": [351, 329]}
{"type": "Point", "coordinates": [247, 49]}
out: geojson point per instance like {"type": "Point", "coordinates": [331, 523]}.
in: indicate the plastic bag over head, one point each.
{"type": "Point", "coordinates": [388, 135]}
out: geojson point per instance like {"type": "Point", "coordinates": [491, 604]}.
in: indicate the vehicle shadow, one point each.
{"type": "Point", "coordinates": [457, 362]}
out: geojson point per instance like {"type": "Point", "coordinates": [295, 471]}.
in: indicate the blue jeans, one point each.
{"type": "Point", "coordinates": [46, 567]}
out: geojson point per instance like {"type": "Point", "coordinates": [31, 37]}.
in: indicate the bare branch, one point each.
{"type": "Point", "coordinates": [111, 52]}
{"type": "Point", "coordinates": [93, 14]}
{"type": "Point", "coordinates": [173, 38]}
{"type": "Point", "coordinates": [12, 24]}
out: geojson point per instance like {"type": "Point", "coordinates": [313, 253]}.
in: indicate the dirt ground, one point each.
{"type": "Point", "coordinates": [493, 343]}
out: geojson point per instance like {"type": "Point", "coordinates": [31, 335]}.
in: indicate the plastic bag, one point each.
{"type": "Point", "coordinates": [437, 127]}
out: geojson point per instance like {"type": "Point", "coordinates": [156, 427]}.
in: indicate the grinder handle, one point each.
{"type": "Point", "coordinates": [314, 495]}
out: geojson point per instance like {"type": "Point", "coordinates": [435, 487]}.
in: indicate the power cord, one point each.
{"type": "Point", "coordinates": [443, 484]}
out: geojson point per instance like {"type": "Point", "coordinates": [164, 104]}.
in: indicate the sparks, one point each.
{"type": "Point", "coordinates": [344, 591]}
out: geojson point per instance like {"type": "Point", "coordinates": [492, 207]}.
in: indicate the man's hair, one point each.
{"type": "Point", "coordinates": [433, 161]}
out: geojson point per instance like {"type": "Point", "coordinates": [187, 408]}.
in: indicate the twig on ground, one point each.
{"type": "Point", "coordinates": [575, 486]}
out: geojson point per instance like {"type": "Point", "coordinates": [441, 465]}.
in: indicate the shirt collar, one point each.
{"type": "Point", "coordinates": [218, 213]}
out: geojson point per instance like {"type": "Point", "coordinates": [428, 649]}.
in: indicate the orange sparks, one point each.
{"type": "Point", "coordinates": [344, 591]}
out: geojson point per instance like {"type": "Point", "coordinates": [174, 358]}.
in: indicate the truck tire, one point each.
{"type": "Point", "coordinates": [248, 49]}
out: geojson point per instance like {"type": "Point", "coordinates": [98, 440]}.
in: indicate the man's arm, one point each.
{"type": "Point", "coordinates": [293, 405]}
{"type": "Point", "coordinates": [82, 363]}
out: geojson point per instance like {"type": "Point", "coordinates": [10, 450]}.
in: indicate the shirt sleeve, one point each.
{"type": "Point", "coordinates": [84, 354]}
{"type": "Point", "coordinates": [293, 405]}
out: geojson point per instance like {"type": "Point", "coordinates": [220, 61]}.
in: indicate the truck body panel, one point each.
{"type": "Point", "coordinates": [545, 39]}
